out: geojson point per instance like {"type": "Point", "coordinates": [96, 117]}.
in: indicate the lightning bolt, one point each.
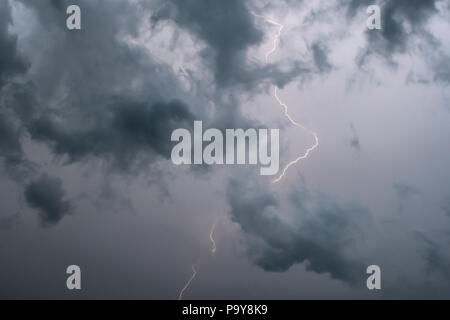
{"type": "Point", "coordinates": [276, 42]}
{"type": "Point", "coordinates": [308, 151]}
{"type": "Point", "coordinates": [194, 273]}
{"type": "Point", "coordinates": [194, 270]}
{"type": "Point", "coordinates": [211, 236]}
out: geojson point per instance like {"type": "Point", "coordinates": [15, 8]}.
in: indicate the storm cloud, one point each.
{"type": "Point", "coordinates": [112, 93]}
{"type": "Point", "coordinates": [402, 22]}
{"type": "Point", "coordinates": [321, 233]}
{"type": "Point", "coordinates": [117, 114]}
{"type": "Point", "coordinates": [46, 195]}
{"type": "Point", "coordinates": [11, 62]}
{"type": "Point", "coordinates": [123, 134]}
{"type": "Point", "coordinates": [226, 26]}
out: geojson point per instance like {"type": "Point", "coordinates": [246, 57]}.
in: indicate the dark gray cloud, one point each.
{"type": "Point", "coordinates": [71, 104]}
{"type": "Point", "coordinates": [91, 95]}
{"type": "Point", "coordinates": [58, 4]}
{"type": "Point", "coordinates": [123, 134]}
{"type": "Point", "coordinates": [47, 196]}
{"type": "Point", "coordinates": [226, 26]}
{"type": "Point", "coordinates": [403, 22]}
{"type": "Point", "coordinates": [395, 37]}
{"type": "Point", "coordinates": [405, 29]}
{"type": "Point", "coordinates": [86, 72]}
{"type": "Point", "coordinates": [320, 57]}
{"type": "Point", "coordinates": [323, 233]}
{"type": "Point", "coordinates": [229, 29]}
{"type": "Point", "coordinates": [11, 62]}
{"type": "Point", "coordinates": [17, 107]}
{"type": "Point", "coordinates": [10, 146]}
{"type": "Point", "coordinates": [18, 101]}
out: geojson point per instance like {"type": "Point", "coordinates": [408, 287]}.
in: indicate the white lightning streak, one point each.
{"type": "Point", "coordinates": [211, 236]}
{"type": "Point", "coordinates": [276, 42]}
{"type": "Point", "coordinates": [194, 273]}
{"type": "Point", "coordinates": [314, 134]}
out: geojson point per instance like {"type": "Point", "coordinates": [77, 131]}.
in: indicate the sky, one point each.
{"type": "Point", "coordinates": [86, 118]}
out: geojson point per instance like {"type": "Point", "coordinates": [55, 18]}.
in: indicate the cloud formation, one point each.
{"type": "Point", "coordinates": [47, 196]}
{"type": "Point", "coordinates": [402, 22]}
{"type": "Point", "coordinates": [80, 106]}
{"type": "Point", "coordinates": [94, 94]}
{"type": "Point", "coordinates": [11, 62]}
{"type": "Point", "coordinates": [226, 26]}
{"type": "Point", "coordinates": [321, 232]}
{"type": "Point", "coordinates": [123, 133]}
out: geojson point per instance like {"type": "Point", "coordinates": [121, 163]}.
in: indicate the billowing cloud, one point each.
{"type": "Point", "coordinates": [93, 95]}
{"type": "Point", "coordinates": [11, 62]}
{"type": "Point", "coordinates": [402, 21]}
{"type": "Point", "coordinates": [395, 15]}
{"type": "Point", "coordinates": [226, 26]}
{"type": "Point", "coordinates": [102, 93]}
{"type": "Point", "coordinates": [123, 134]}
{"type": "Point", "coordinates": [10, 146]}
{"type": "Point", "coordinates": [11, 65]}
{"type": "Point", "coordinates": [229, 29]}
{"type": "Point", "coordinates": [47, 196]}
{"type": "Point", "coordinates": [318, 231]}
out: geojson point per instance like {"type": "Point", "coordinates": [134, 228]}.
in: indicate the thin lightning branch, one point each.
{"type": "Point", "coordinates": [314, 134]}
{"type": "Point", "coordinates": [211, 236]}
{"type": "Point", "coordinates": [194, 273]}
{"type": "Point", "coordinates": [276, 42]}
{"type": "Point", "coordinates": [194, 270]}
